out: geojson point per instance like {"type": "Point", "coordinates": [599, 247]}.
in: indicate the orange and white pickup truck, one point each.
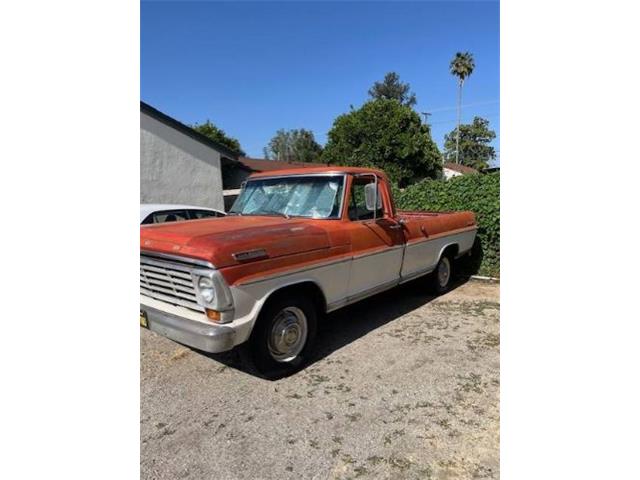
{"type": "Point", "coordinates": [296, 244]}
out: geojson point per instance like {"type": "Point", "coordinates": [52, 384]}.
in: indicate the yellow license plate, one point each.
{"type": "Point", "coordinates": [143, 319]}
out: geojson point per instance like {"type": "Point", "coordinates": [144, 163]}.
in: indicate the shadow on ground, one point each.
{"type": "Point", "coordinates": [342, 327]}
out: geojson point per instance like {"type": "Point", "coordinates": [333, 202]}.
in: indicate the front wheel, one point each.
{"type": "Point", "coordinates": [442, 275]}
{"type": "Point", "coordinates": [283, 337]}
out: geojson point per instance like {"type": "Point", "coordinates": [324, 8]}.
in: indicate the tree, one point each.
{"type": "Point", "coordinates": [218, 135]}
{"type": "Point", "coordinates": [392, 88]}
{"type": "Point", "coordinates": [388, 135]}
{"type": "Point", "coordinates": [461, 67]}
{"type": "Point", "coordinates": [293, 146]}
{"type": "Point", "coordinates": [472, 143]}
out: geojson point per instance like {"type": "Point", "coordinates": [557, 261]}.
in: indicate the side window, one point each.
{"type": "Point", "coordinates": [170, 216]}
{"type": "Point", "coordinates": [195, 214]}
{"type": "Point", "coordinates": [357, 202]}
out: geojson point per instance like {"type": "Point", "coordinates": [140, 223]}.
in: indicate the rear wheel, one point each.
{"type": "Point", "coordinates": [283, 337]}
{"type": "Point", "coordinates": [442, 275]}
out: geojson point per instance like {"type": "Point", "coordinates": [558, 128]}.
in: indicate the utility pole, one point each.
{"type": "Point", "coordinates": [426, 117]}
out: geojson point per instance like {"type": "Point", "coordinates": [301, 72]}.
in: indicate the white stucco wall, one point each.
{"type": "Point", "coordinates": [448, 173]}
{"type": "Point", "coordinates": [175, 168]}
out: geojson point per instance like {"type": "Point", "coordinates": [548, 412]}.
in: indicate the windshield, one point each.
{"type": "Point", "coordinates": [296, 196]}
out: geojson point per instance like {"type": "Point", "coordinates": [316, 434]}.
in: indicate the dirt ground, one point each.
{"type": "Point", "coordinates": [404, 385]}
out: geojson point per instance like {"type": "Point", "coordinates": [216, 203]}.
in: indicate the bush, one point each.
{"type": "Point", "coordinates": [478, 193]}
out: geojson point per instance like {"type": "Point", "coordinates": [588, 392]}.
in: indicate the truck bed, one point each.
{"type": "Point", "coordinates": [426, 224]}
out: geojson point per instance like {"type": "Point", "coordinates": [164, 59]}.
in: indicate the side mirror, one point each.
{"type": "Point", "coordinates": [371, 198]}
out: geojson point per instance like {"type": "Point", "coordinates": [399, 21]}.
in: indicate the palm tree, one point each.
{"type": "Point", "coordinates": [461, 66]}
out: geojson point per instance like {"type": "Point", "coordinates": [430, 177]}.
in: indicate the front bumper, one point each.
{"type": "Point", "coordinates": [207, 337]}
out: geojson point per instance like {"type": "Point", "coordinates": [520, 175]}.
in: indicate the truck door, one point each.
{"type": "Point", "coordinates": [377, 240]}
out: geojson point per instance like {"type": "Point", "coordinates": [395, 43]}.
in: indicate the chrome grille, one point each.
{"type": "Point", "coordinates": [169, 282]}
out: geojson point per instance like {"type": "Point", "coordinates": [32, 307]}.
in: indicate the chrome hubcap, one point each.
{"type": "Point", "coordinates": [444, 271]}
{"type": "Point", "coordinates": [288, 334]}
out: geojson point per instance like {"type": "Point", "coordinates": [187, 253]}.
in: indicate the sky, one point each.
{"type": "Point", "coordinates": [255, 67]}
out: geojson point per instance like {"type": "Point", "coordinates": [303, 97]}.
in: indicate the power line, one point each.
{"type": "Point", "coordinates": [464, 105]}
{"type": "Point", "coordinates": [493, 115]}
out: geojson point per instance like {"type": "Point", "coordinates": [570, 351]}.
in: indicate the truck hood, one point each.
{"type": "Point", "coordinates": [217, 240]}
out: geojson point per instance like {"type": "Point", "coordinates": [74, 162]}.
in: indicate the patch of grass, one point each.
{"type": "Point", "coordinates": [472, 309]}
{"type": "Point", "coordinates": [492, 340]}
{"type": "Point", "coordinates": [472, 383]}
{"type": "Point", "coordinates": [485, 341]}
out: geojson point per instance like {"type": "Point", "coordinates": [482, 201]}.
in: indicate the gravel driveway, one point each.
{"type": "Point", "coordinates": [404, 386]}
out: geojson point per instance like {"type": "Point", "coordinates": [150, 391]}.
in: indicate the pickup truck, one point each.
{"type": "Point", "coordinates": [296, 244]}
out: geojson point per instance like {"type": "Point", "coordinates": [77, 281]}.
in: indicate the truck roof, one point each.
{"type": "Point", "coordinates": [318, 169]}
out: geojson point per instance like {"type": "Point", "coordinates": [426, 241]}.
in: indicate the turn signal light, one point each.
{"type": "Point", "coordinates": [213, 315]}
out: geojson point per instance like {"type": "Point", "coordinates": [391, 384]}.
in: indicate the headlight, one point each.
{"type": "Point", "coordinates": [206, 288]}
{"type": "Point", "coordinates": [213, 293]}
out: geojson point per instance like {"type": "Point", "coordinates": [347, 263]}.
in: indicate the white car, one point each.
{"type": "Point", "coordinates": [160, 213]}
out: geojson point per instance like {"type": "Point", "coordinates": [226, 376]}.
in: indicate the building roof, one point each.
{"type": "Point", "coordinates": [264, 165]}
{"type": "Point", "coordinates": [190, 132]}
{"type": "Point", "coordinates": [456, 167]}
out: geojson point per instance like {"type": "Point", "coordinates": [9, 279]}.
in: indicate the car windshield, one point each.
{"type": "Point", "coordinates": [295, 196]}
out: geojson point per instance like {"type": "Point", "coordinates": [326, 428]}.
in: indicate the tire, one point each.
{"type": "Point", "coordinates": [282, 339]}
{"type": "Point", "coordinates": [442, 276]}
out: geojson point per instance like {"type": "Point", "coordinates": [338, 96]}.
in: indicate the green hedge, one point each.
{"type": "Point", "coordinates": [478, 193]}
